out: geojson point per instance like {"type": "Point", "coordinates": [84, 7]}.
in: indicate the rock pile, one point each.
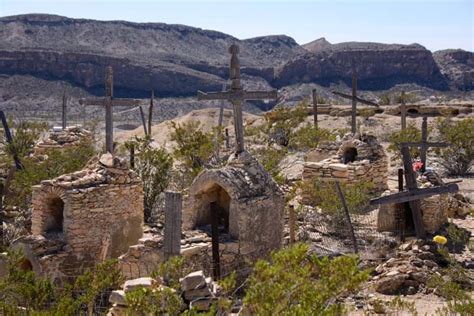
{"type": "Point", "coordinates": [410, 270]}
{"type": "Point", "coordinates": [196, 290]}
{"type": "Point", "coordinates": [68, 137]}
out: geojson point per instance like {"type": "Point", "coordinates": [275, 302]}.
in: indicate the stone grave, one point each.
{"type": "Point", "coordinates": [83, 218]}
{"type": "Point", "coordinates": [359, 158]}
{"type": "Point", "coordinates": [68, 137]}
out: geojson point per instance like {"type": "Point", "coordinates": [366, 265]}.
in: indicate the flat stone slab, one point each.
{"type": "Point", "coordinates": [118, 297]}
{"type": "Point", "coordinates": [146, 282]}
{"type": "Point", "coordinates": [192, 281]}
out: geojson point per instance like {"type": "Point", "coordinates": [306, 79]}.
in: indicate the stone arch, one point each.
{"type": "Point", "coordinates": [54, 207]}
{"type": "Point", "coordinates": [349, 155]}
{"type": "Point", "coordinates": [412, 111]}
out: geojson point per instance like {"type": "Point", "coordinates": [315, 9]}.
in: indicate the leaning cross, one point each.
{"type": "Point", "coordinates": [354, 99]}
{"type": "Point", "coordinates": [236, 95]}
{"type": "Point", "coordinates": [424, 144]}
{"type": "Point", "coordinates": [414, 194]}
{"type": "Point", "coordinates": [108, 101]}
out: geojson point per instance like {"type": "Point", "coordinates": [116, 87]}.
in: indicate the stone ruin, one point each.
{"type": "Point", "coordinates": [250, 220]}
{"type": "Point", "coordinates": [435, 211]}
{"type": "Point", "coordinates": [60, 139]}
{"type": "Point", "coordinates": [83, 218]}
{"type": "Point", "coordinates": [359, 158]}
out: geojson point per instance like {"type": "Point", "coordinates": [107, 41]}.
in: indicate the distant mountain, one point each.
{"type": "Point", "coordinates": [38, 50]}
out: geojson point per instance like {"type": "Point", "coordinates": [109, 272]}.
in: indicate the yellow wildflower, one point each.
{"type": "Point", "coordinates": [440, 239]}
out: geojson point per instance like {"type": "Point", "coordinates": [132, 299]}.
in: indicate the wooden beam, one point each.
{"type": "Point", "coordinates": [142, 115]}
{"type": "Point", "coordinates": [410, 179]}
{"type": "Point", "coordinates": [150, 111]}
{"type": "Point", "coordinates": [9, 138]}
{"type": "Point", "coordinates": [360, 100]}
{"type": "Point", "coordinates": [415, 194]}
{"type": "Point", "coordinates": [64, 110]}
{"type": "Point", "coordinates": [347, 217]}
{"type": "Point", "coordinates": [354, 99]}
{"type": "Point", "coordinates": [403, 112]}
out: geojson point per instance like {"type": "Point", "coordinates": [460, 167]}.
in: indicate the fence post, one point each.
{"type": "Point", "coordinates": [172, 238]}
{"type": "Point", "coordinates": [347, 217]}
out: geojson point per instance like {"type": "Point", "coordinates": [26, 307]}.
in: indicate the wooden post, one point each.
{"type": "Point", "coordinates": [132, 156]}
{"type": "Point", "coordinates": [424, 139]}
{"type": "Point", "coordinates": [315, 108]}
{"type": "Point", "coordinates": [9, 138]}
{"type": "Point", "coordinates": [64, 111]}
{"type": "Point", "coordinates": [142, 115]}
{"type": "Point", "coordinates": [292, 223]}
{"type": "Point", "coordinates": [150, 112]}
{"type": "Point", "coordinates": [216, 269]}
{"type": "Point", "coordinates": [410, 179]}
{"type": "Point", "coordinates": [219, 128]}
{"type": "Point", "coordinates": [354, 99]}
{"type": "Point", "coordinates": [403, 112]}
{"type": "Point", "coordinates": [227, 144]}
{"type": "Point", "coordinates": [109, 127]}
{"type": "Point", "coordinates": [347, 217]}
{"type": "Point", "coordinates": [400, 208]}
{"type": "Point", "coordinates": [172, 238]}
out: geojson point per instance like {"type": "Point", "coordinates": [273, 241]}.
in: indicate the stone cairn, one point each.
{"type": "Point", "coordinates": [409, 271]}
{"type": "Point", "coordinates": [196, 290]}
{"type": "Point", "coordinates": [370, 164]}
{"type": "Point", "coordinates": [69, 137]}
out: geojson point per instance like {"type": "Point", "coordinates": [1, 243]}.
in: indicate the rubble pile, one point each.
{"type": "Point", "coordinates": [409, 271]}
{"type": "Point", "coordinates": [197, 291]}
{"type": "Point", "coordinates": [68, 137]}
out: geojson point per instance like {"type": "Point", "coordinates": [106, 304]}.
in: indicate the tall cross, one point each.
{"type": "Point", "coordinates": [424, 144]}
{"type": "Point", "coordinates": [108, 101]}
{"type": "Point", "coordinates": [236, 95]}
{"type": "Point", "coordinates": [354, 99]}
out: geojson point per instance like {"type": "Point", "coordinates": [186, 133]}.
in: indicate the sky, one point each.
{"type": "Point", "coordinates": [435, 24]}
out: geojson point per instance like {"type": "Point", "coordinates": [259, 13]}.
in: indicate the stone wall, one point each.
{"type": "Point", "coordinates": [370, 164]}
{"type": "Point", "coordinates": [89, 216]}
{"type": "Point", "coordinates": [69, 137]}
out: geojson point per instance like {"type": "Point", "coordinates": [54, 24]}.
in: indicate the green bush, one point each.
{"type": "Point", "coordinates": [193, 147]}
{"type": "Point", "coordinates": [385, 99]}
{"type": "Point", "coordinates": [270, 158]}
{"type": "Point", "coordinates": [294, 282]}
{"type": "Point", "coordinates": [309, 136]}
{"type": "Point", "coordinates": [153, 166]}
{"type": "Point", "coordinates": [26, 134]}
{"type": "Point", "coordinates": [410, 134]}
{"type": "Point", "coordinates": [58, 162]}
{"type": "Point", "coordinates": [458, 157]}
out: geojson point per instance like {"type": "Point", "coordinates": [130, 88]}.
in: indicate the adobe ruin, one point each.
{"type": "Point", "coordinates": [83, 218]}
{"type": "Point", "coordinates": [359, 158]}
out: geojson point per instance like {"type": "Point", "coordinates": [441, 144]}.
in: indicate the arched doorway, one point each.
{"type": "Point", "coordinates": [349, 155]}
{"type": "Point", "coordinates": [215, 193]}
{"type": "Point", "coordinates": [25, 265]}
{"type": "Point", "coordinates": [55, 215]}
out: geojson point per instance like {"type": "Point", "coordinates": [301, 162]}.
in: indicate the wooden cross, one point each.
{"type": "Point", "coordinates": [64, 110]}
{"type": "Point", "coordinates": [354, 99]}
{"type": "Point", "coordinates": [315, 108]}
{"type": "Point", "coordinates": [236, 95]}
{"type": "Point", "coordinates": [413, 195]}
{"type": "Point", "coordinates": [424, 144]}
{"type": "Point", "coordinates": [108, 101]}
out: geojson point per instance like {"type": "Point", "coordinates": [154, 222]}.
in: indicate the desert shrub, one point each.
{"type": "Point", "coordinates": [385, 99]}
{"type": "Point", "coordinates": [410, 134]}
{"type": "Point", "coordinates": [324, 195]}
{"type": "Point", "coordinates": [294, 282]}
{"type": "Point", "coordinates": [154, 301]}
{"type": "Point", "coordinates": [153, 166]}
{"type": "Point", "coordinates": [286, 119]}
{"type": "Point", "coordinates": [193, 146]}
{"type": "Point", "coordinates": [172, 270]}
{"type": "Point", "coordinates": [397, 306]}
{"type": "Point", "coordinates": [309, 136]}
{"type": "Point", "coordinates": [458, 157]}
{"type": "Point", "coordinates": [366, 112]}
{"type": "Point", "coordinates": [270, 158]}
{"type": "Point", "coordinates": [410, 97]}
{"type": "Point", "coordinates": [58, 162]}
{"type": "Point", "coordinates": [23, 293]}
{"type": "Point", "coordinates": [26, 134]}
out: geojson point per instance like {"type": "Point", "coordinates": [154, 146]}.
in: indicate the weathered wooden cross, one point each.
{"type": "Point", "coordinates": [108, 101]}
{"type": "Point", "coordinates": [414, 194]}
{"type": "Point", "coordinates": [424, 144]}
{"type": "Point", "coordinates": [236, 95]}
{"type": "Point", "coordinates": [64, 116]}
{"type": "Point", "coordinates": [354, 99]}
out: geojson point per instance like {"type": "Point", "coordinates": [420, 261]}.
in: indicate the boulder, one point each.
{"type": "Point", "coordinates": [192, 281]}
